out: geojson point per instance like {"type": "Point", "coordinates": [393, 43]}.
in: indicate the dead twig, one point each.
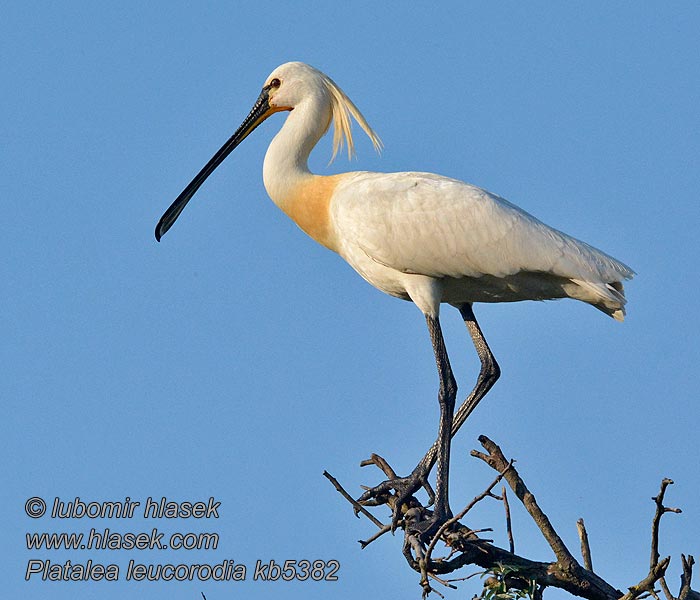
{"type": "Point", "coordinates": [655, 526]}
{"type": "Point", "coordinates": [497, 461]}
{"type": "Point", "coordinates": [358, 507]}
{"type": "Point", "coordinates": [660, 511]}
{"type": "Point", "coordinates": [378, 461]}
{"type": "Point", "coordinates": [509, 524]}
{"type": "Point", "coordinates": [585, 547]}
{"type": "Point", "coordinates": [647, 584]}
{"type": "Point", "coordinates": [487, 492]}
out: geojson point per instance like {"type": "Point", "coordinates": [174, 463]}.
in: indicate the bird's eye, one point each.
{"type": "Point", "coordinates": [275, 83]}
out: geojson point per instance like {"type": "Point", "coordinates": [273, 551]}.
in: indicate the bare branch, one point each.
{"type": "Point", "coordinates": [664, 587]}
{"type": "Point", "coordinates": [509, 523]}
{"type": "Point", "coordinates": [460, 515]}
{"type": "Point", "coordinates": [377, 535]}
{"type": "Point", "coordinates": [655, 525]}
{"type": "Point", "coordinates": [686, 592]}
{"type": "Point", "coordinates": [660, 510]}
{"type": "Point", "coordinates": [647, 584]}
{"type": "Point", "coordinates": [358, 507]}
{"type": "Point", "coordinates": [497, 461]}
{"type": "Point", "coordinates": [585, 547]}
{"type": "Point", "coordinates": [378, 461]}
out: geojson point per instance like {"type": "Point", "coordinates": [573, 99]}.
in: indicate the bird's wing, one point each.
{"type": "Point", "coordinates": [432, 225]}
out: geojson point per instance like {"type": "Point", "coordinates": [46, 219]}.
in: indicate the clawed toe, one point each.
{"type": "Point", "coordinates": [424, 528]}
{"type": "Point", "coordinates": [400, 500]}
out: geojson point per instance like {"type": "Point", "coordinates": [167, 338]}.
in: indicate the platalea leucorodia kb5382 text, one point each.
{"type": "Point", "coordinates": [416, 236]}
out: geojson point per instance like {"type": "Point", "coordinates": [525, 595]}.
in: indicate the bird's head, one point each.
{"type": "Point", "coordinates": [287, 87]}
{"type": "Point", "coordinates": [292, 83]}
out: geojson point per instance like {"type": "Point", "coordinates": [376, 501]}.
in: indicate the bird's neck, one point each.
{"type": "Point", "coordinates": [303, 196]}
{"type": "Point", "coordinates": [286, 160]}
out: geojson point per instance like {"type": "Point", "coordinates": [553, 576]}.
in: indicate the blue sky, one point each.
{"type": "Point", "coordinates": [238, 360]}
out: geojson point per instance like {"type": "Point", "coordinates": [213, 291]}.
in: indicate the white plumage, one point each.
{"type": "Point", "coordinates": [487, 249]}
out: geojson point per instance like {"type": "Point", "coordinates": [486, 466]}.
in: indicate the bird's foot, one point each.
{"type": "Point", "coordinates": [424, 524]}
{"type": "Point", "coordinates": [401, 500]}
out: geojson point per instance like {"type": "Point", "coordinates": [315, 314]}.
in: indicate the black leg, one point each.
{"type": "Point", "coordinates": [407, 486]}
{"type": "Point", "coordinates": [449, 422]}
{"type": "Point", "coordinates": [446, 398]}
{"type": "Point", "coordinates": [488, 375]}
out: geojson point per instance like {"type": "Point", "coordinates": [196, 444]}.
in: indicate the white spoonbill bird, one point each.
{"type": "Point", "coordinates": [417, 236]}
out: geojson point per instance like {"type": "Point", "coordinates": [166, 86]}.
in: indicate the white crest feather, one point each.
{"type": "Point", "coordinates": [342, 108]}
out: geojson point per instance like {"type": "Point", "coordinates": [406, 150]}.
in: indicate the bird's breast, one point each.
{"type": "Point", "coordinates": [307, 203]}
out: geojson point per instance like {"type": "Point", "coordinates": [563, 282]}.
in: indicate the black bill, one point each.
{"type": "Point", "coordinates": [260, 111]}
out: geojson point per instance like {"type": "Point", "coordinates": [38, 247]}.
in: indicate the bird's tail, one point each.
{"type": "Point", "coordinates": [607, 297]}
